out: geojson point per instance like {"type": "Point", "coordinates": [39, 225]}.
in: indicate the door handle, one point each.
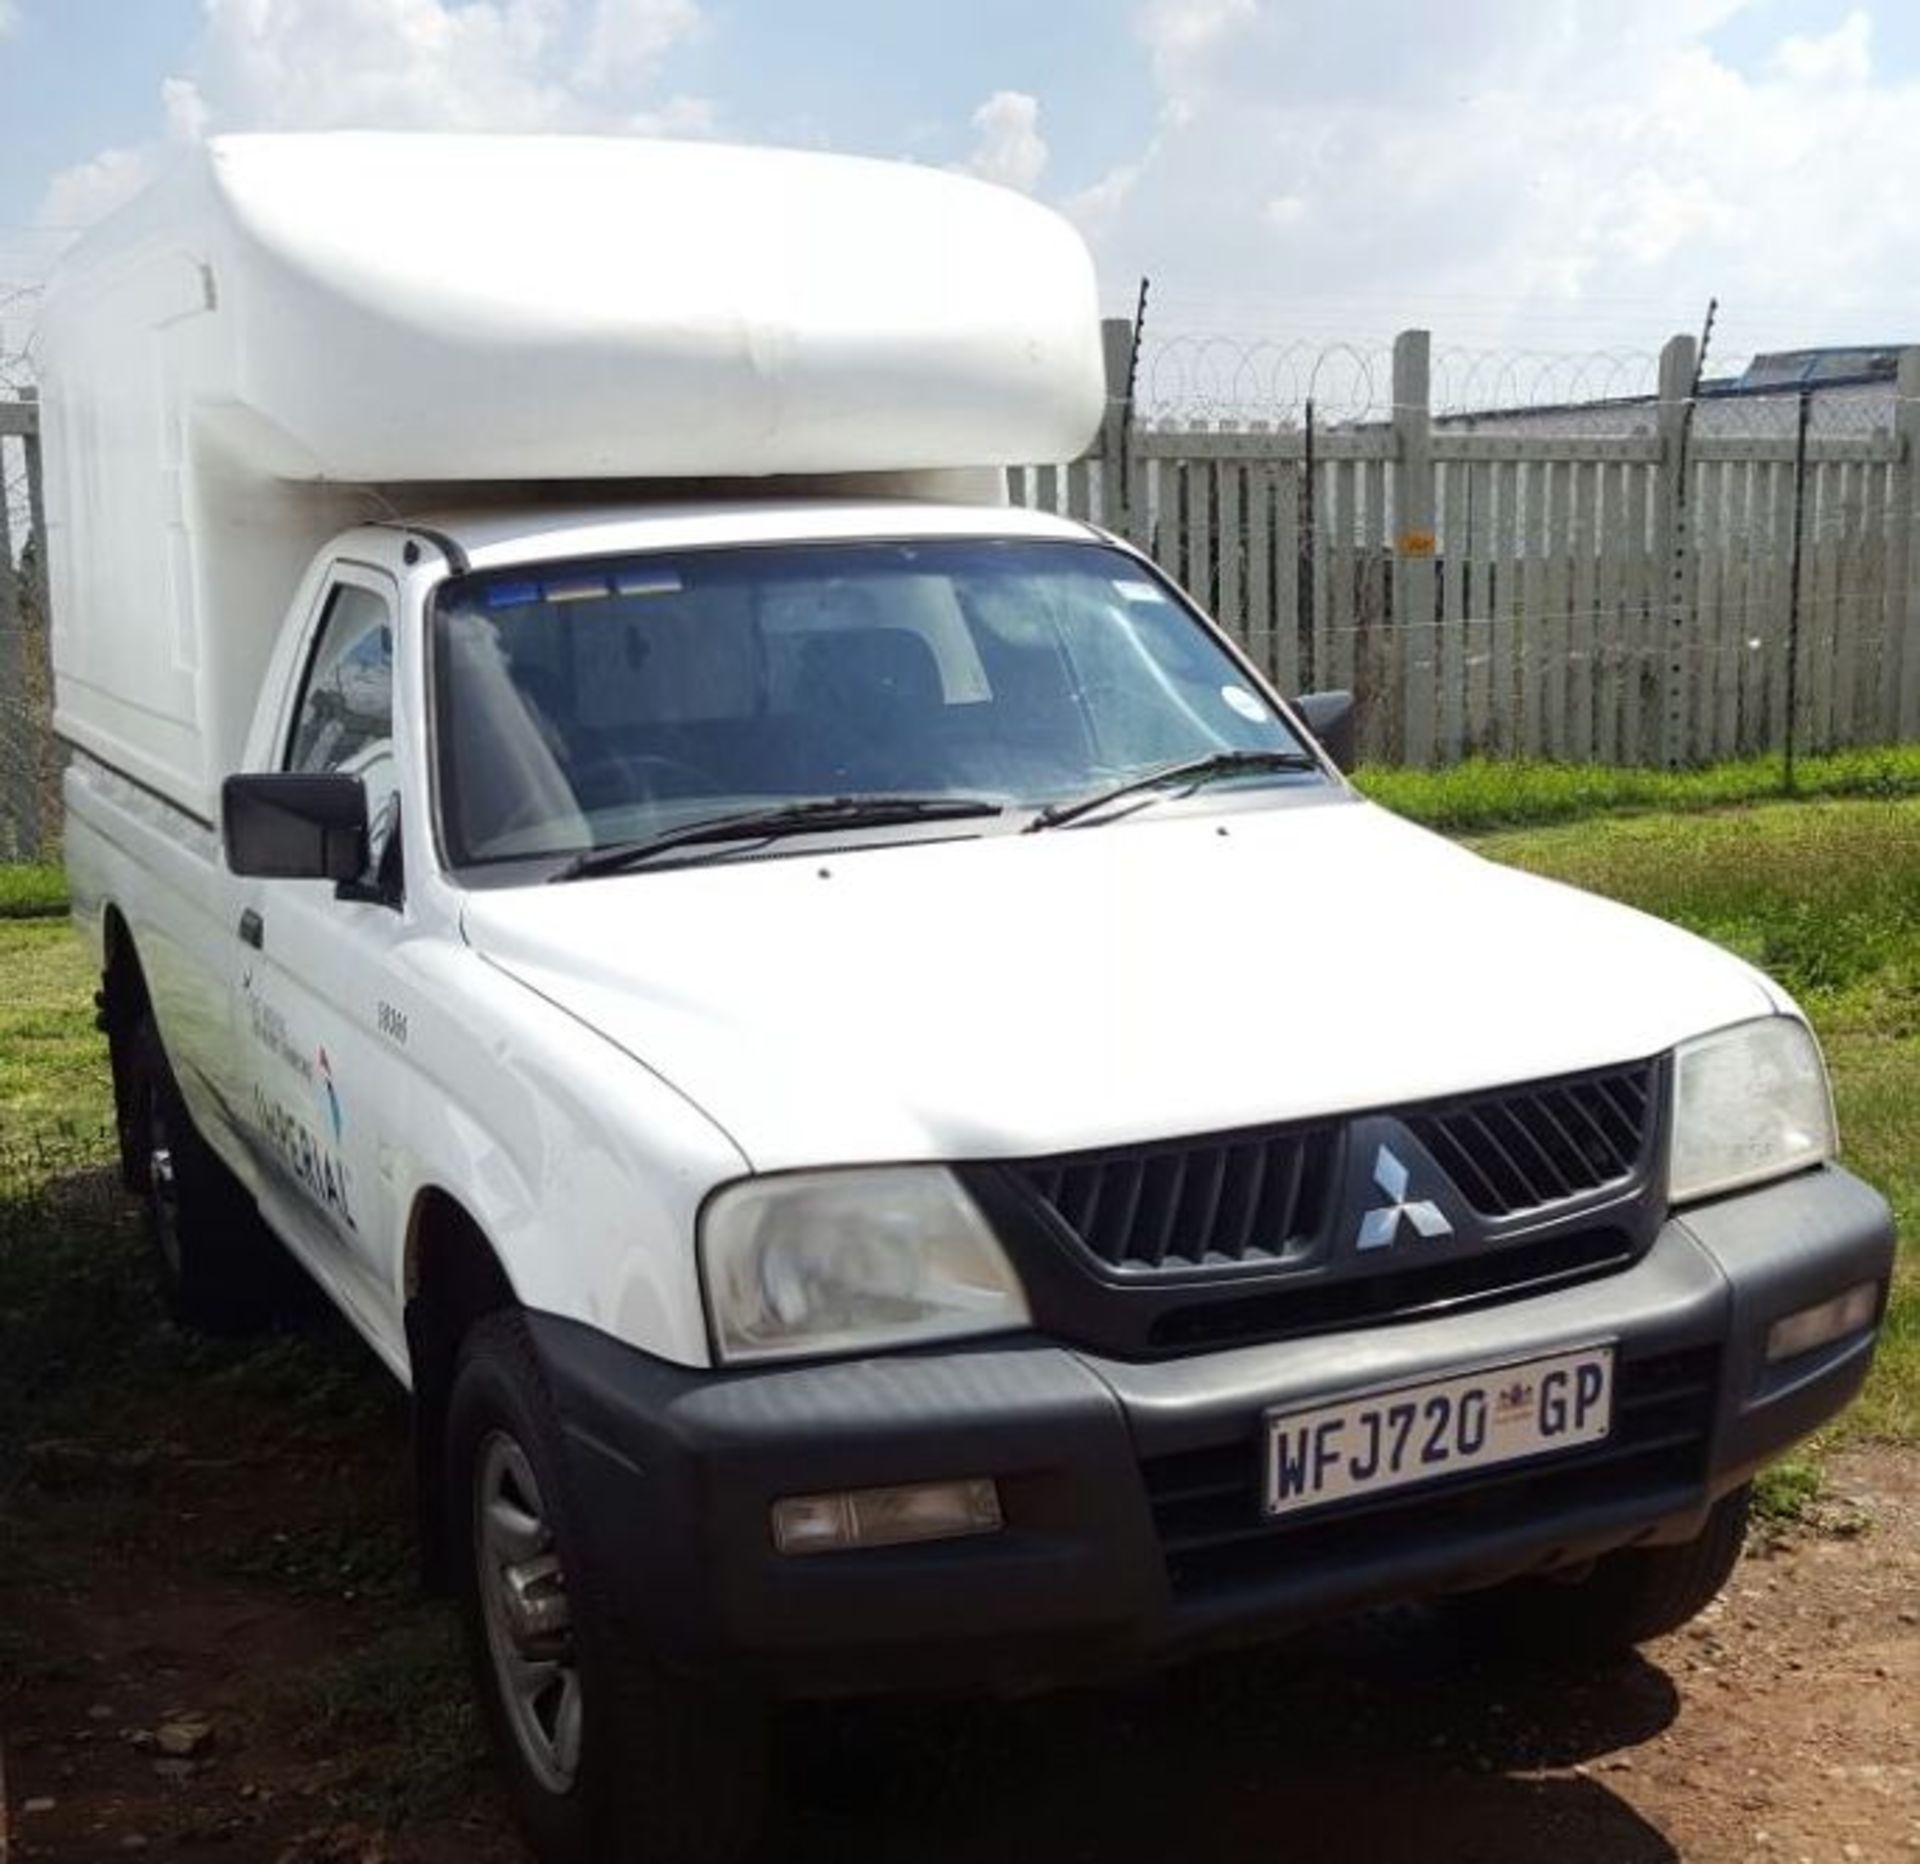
{"type": "Point", "coordinates": [253, 928]}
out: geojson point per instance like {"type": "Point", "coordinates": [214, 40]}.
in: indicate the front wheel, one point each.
{"type": "Point", "coordinates": [606, 1757]}
{"type": "Point", "coordinates": [1623, 1599]}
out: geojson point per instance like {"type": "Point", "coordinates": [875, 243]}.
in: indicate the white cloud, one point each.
{"type": "Point", "coordinates": [186, 110]}
{"type": "Point", "coordinates": [439, 64]}
{"type": "Point", "coordinates": [9, 16]}
{"type": "Point", "coordinates": [78, 196]}
{"type": "Point", "coordinates": [407, 64]}
{"type": "Point", "coordinates": [1098, 207]}
{"type": "Point", "coordinates": [1842, 56]}
{"type": "Point", "coordinates": [387, 64]}
{"type": "Point", "coordinates": [1178, 32]}
{"type": "Point", "coordinates": [1008, 147]}
{"type": "Point", "coordinates": [1556, 174]}
{"type": "Point", "coordinates": [626, 40]}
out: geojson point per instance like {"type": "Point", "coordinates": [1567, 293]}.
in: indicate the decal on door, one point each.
{"type": "Point", "coordinates": [306, 1141]}
{"type": "Point", "coordinates": [269, 1029]}
{"type": "Point", "coordinates": [316, 1167]}
{"type": "Point", "coordinates": [332, 1098]}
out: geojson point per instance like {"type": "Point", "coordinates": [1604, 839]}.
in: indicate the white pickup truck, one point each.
{"type": "Point", "coordinates": [901, 1122]}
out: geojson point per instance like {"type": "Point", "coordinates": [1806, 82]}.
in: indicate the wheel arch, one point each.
{"type": "Point", "coordinates": [123, 1001]}
{"type": "Point", "coordinates": [123, 980]}
{"type": "Point", "coordinates": [453, 1278]}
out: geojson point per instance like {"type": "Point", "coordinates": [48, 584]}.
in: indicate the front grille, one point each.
{"type": "Point", "coordinates": [1206, 1502]}
{"type": "Point", "coordinates": [1544, 1144]}
{"type": "Point", "coordinates": [1228, 1198]}
{"type": "Point", "coordinates": [1186, 1244]}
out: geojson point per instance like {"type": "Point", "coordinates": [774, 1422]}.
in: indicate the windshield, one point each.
{"type": "Point", "coordinates": [584, 705]}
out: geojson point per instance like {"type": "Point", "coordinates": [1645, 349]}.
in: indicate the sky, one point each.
{"type": "Point", "coordinates": [1565, 176]}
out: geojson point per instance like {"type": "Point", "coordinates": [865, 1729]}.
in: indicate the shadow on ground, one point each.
{"type": "Point", "coordinates": [1381, 1739]}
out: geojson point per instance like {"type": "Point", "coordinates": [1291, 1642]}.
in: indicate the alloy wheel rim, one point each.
{"type": "Point", "coordinates": [529, 1623]}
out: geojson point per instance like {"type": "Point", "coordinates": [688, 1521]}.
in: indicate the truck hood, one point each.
{"type": "Point", "coordinates": [1180, 972]}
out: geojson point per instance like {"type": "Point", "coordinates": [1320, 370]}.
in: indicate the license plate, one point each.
{"type": "Point", "coordinates": [1420, 1433]}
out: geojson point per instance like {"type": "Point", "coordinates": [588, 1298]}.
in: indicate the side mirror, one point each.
{"type": "Point", "coordinates": [281, 826]}
{"type": "Point", "coordinates": [1330, 717]}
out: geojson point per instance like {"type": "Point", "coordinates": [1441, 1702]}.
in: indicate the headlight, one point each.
{"type": "Point", "coordinates": [1750, 1103]}
{"type": "Point", "coordinates": [841, 1261]}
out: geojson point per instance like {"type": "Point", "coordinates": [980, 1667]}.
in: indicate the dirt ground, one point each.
{"type": "Point", "coordinates": [248, 1566]}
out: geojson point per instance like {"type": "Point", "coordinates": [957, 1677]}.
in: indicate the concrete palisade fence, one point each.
{"type": "Point", "coordinates": [1508, 586]}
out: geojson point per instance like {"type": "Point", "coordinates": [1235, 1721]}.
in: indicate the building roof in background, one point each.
{"type": "Point", "coordinates": [1815, 368]}
{"type": "Point", "coordinates": [1852, 387]}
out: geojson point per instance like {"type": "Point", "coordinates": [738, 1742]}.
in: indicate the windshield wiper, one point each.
{"type": "Point", "coordinates": [823, 812]}
{"type": "Point", "coordinates": [1190, 772]}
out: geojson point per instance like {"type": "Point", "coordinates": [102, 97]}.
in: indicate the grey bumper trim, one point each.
{"type": "Point", "coordinates": [678, 1468]}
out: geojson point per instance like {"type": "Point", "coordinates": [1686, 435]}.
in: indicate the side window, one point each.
{"type": "Point", "coordinates": [344, 721]}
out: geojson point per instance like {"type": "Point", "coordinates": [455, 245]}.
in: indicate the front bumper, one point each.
{"type": "Point", "coordinates": [1133, 1528]}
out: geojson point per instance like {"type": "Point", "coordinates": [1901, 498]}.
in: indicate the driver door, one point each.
{"type": "Point", "coordinates": [310, 956]}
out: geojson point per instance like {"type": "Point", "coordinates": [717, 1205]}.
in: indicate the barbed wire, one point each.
{"type": "Point", "coordinates": [18, 304]}
{"type": "Point", "coordinates": [28, 764]}
{"type": "Point", "coordinates": [1469, 381]}
{"type": "Point", "coordinates": [1214, 376]}
{"type": "Point", "coordinates": [1220, 378]}
{"type": "Point", "coordinates": [1209, 377]}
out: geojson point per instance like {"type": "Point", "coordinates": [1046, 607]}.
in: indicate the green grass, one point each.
{"type": "Point", "coordinates": [1787, 1495]}
{"type": "Point", "coordinates": [402, 1705]}
{"type": "Point", "coordinates": [1483, 795]}
{"type": "Point", "coordinates": [52, 1059]}
{"type": "Point", "coordinates": [31, 890]}
{"type": "Point", "coordinates": [81, 1330]}
{"type": "Point", "coordinates": [1826, 897]}
{"type": "Point", "coordinates": [76, 1301]}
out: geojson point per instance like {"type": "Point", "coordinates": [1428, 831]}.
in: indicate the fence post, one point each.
{"type": "Point", "coordinates": [1672, 545]}
{"type": "Point", "coordinates": [1903, 608]}
{"type": "Point", "coordinates": [1414, 583]}
{"type": "Point", "coordinates": [1312, 672]}
{"type": "Point", "coordinates": [1116, 341]}
{"type": "Point", "coordinates": [36, 609]}
{"type": "Point", "coordinates": [17, 760]}
{"type": "Point", "coordinates": [1803, 413]}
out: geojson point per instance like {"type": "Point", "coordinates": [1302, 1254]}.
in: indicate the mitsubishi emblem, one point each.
{"type": "Point", "coordinates": [1381, 1226]}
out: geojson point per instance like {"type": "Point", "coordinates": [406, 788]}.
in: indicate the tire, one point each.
{"type": "Point", "coordinates": [606, 1757]}
{"type": "Point", "coordinates": [1624, 1599]}
{"type": "Point", "coordinates": [220, 1268]}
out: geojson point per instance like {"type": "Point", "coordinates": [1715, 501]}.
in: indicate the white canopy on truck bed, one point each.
{"type": "Point", "coordinates": [292, 333]}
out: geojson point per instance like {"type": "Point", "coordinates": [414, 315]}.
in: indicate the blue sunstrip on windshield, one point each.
{"type": "Point", "coordinates": [521, 593]}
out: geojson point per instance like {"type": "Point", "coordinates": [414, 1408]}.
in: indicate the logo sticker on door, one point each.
{"type": "Point", "coordinates": [310, 1161]}
{"type": "Point", "coordinates": [301, 1140]}
{"type": "Point", "coordinates": [331, 1097]}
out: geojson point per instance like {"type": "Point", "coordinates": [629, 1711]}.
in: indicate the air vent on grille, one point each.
{"type": "Point", "coordinates": [1542, 1144]}
{"type": "Point", "coordinates": [1229, 1198]}
{"type": "Point", "coordinates": [1317, 1306]}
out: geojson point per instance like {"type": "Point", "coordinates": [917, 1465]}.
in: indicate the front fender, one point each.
{"type": "Point", "coordinates": [584, 1170]}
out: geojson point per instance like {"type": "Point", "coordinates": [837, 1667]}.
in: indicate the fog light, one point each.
{"type": "Point", "coordinates": [885, 1517]}
{"type": "Point", "coordinates": [1820, 1326]}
